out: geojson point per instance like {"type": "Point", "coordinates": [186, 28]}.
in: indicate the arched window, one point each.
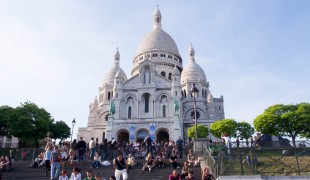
{"type": "Point", "coordinates": [169, 76]}
{"type": "Point", "coordinates": [184, 93]}
{"type": "Point", "coordinates": [109, 95]}
{"type": "Point", "coordinates": [164, 110]}
{"type": "Point", "coordinates": [202, 93]}
{"type": "Point", "coordinates": [146, 102]}
{"type": "Point", "coordinates": [163, 73]}
{"type": "Point", "coordinates": [129, 112]}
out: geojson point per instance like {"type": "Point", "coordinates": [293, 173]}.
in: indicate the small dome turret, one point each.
{"type": "Point", "coordinates": [110, 75]}
{"type": "Point", "coordinates": [192, 71]}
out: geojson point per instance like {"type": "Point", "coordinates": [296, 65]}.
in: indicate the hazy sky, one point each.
{"type": "Point", "coordinates": [56, 53]}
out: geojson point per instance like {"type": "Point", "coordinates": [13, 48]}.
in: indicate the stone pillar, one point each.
{"type": "Point", "coordinates": [198, 144]}
{"type": "Point", "coordinates": [176, 128]}
{"type": "Point", "coordinates": [109, 128]}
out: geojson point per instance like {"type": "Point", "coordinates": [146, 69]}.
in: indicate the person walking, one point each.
{"type": "Point", "coordinates": [55, 163]}
{"type": "Point", "coordinates": [120, 166]}
{"type": "Point", "coordinates": [47, 158]}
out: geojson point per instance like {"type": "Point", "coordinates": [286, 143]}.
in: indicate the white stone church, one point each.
{"type": "Point", "coordinates": [156, 99]}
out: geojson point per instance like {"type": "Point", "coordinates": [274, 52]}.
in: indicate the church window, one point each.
{"type": "Point", "coordinates": [219, 107]}
{"type": "Point", "coordinates": [147, 77]}
{"type": "Point", "coordinates": [154, 54]}
{"type": "Point", "coordinates": [169, 76]}
{"type": "Point", "coordinates": [184, 93]}
{"type": "Point", "coordinates": [205, 93]}
{"type": "Point", "coordinates": [141, 57]}
{"type": "Point", "coordinates": [163, 98]}
{"type": "Point", "coordinates": [176, 93]}
{"type": "Point", "coordinates": [169, 56]}
{"type": "Point", "coordinates": [175, 58]}
{"type": "Point", "coordinates": [202, 93]}
{"type": "Point", "coordinates": [129, 112]}
{"type": "Point", "coordinates": [164, 110]}
{"type": "Point", "coordinates": [146, 102]}
{"type": "Point", "coordinates": [163, 73]}
{"type": "Point", "coordinates": [162, 55]}
{"type": "Point", "coordinates": [148, 55]}
{"type": "Point", "coordinates": [175, 79]}
{"type": "Point", "coordinates": [109, 95]}
{"type": "Point", "coordinates": [116, 95]}
{"type": "Point", "coordinates": [117, 82]}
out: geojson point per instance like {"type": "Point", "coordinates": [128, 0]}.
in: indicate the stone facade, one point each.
{"type": "Point", "coordinates": [156, 99]}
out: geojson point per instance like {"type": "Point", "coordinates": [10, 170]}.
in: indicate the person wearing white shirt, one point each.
{"type": "Point", "coordinates": [76, 175]}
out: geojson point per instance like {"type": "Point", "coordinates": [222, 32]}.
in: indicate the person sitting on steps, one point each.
{"type": "Point", "coordinates": [149, 164]}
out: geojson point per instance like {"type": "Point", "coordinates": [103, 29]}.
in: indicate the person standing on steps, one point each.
{"type": "Point", "coordinates": [121, 167]}
{"type": "Point", "coordinates": [81, 149]}
{"type": "Point", "coordinates": [180, 146]}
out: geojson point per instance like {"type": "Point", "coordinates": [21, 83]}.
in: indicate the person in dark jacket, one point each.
{"type": "Point", "coordinates": [81, 145]}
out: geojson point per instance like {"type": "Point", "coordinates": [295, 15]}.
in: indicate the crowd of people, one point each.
{"type": "Point", "coordinates": [123, 155]}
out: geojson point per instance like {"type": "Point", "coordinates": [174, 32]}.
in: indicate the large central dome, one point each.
{"type": "Point", "coordinates": [158, 40]}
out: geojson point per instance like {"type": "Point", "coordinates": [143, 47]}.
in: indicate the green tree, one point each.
{"type": "Point", "coordinates": [29, 123]}
{"type": "Point", "coordinates": [244, 130]}
{"type": "Point", "coordinates": [202, 132]}
{"type": "Point", "coordinates": [284, 120]}
{"type": "Point", "coordinates": [227, 126]}
{"type": "Point", "coordinates": [59, 130]}
{"type": "Point", "coordinates": [5, 117]}
{"type": "Point", "coordinates": [304, 111]}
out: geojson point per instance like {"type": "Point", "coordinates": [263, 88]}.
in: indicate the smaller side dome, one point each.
{"type": "Point", "coordinates": [110, 75]}
{"type": "Point", "coordinates": [121, 74]}
{"type": "Point", "coordinates": [192, 71]}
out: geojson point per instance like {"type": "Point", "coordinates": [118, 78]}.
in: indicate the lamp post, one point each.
{"type": "Point", "coordinates": [73, 123]}
{"type": "Point", "coordinates": [194, 92]}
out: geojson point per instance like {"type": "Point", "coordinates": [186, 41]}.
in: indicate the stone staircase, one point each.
{"type": "Point", "coordinates": [20, 171]}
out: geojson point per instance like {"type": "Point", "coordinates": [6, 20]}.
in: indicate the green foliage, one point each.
{"type": "Point", "coordinates": [5, 117]}
{"type": "Point", "coordinates": [202, 132]}
{"type": "Point", "coordinates": [285, 120]}
{"type": "Point", "coordinates": [59, 130]}
{"type": "Point", "coordinates": [29, 122]}
{"type": "Point", "coordinates": [227, 126]}
{"type": "Point", "coordinates": [244, 130]}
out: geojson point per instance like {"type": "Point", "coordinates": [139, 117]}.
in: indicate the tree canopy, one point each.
{"type": "Point", "coordinates": [244, 130]}
{"type": "Point", "coordinates": [29, 123]}
{"type": "Point", "coordinates": [227, 126]}
{"type": "Point", "coordinates": [59, 130]}
{"type": "Point", "coordinates": [285, 120]}
{"type": "Point", "coordinates": [5, 117]}
{"type": "Point", "coordinates": [202, 132]}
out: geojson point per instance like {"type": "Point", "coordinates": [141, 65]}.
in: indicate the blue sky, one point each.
{"type": "Point", "coordinates": [55, 53]}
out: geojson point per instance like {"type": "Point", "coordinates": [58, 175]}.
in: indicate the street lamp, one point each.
{"type": "Point", "coordinates": [73, 123]}
{"type": "Point", "coordinates": [194, 92]}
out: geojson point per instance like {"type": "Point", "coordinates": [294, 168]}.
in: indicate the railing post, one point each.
{"type": "Point", "coordinates": [296, 156]}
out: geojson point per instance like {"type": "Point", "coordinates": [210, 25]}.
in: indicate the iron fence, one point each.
{"type": "Point", "coordinates": [257, 159]}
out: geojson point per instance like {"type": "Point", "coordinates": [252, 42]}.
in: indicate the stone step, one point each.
{"type": "Point", "coordinates": [21, 171]}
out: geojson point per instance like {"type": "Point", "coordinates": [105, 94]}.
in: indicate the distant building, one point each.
{"type": "Point", "coordinates": [156, 99]}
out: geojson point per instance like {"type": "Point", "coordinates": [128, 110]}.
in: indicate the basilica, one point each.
{"type": "Point", "coordinates": [157, 99]}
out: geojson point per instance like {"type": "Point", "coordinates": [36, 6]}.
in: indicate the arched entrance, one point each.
{"type": "Point", "coordinates": [123, 136]}
{"type": "Point", "coordinates": [141, 135]}
{"type": "Point", "coordinates": [162, 135]}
